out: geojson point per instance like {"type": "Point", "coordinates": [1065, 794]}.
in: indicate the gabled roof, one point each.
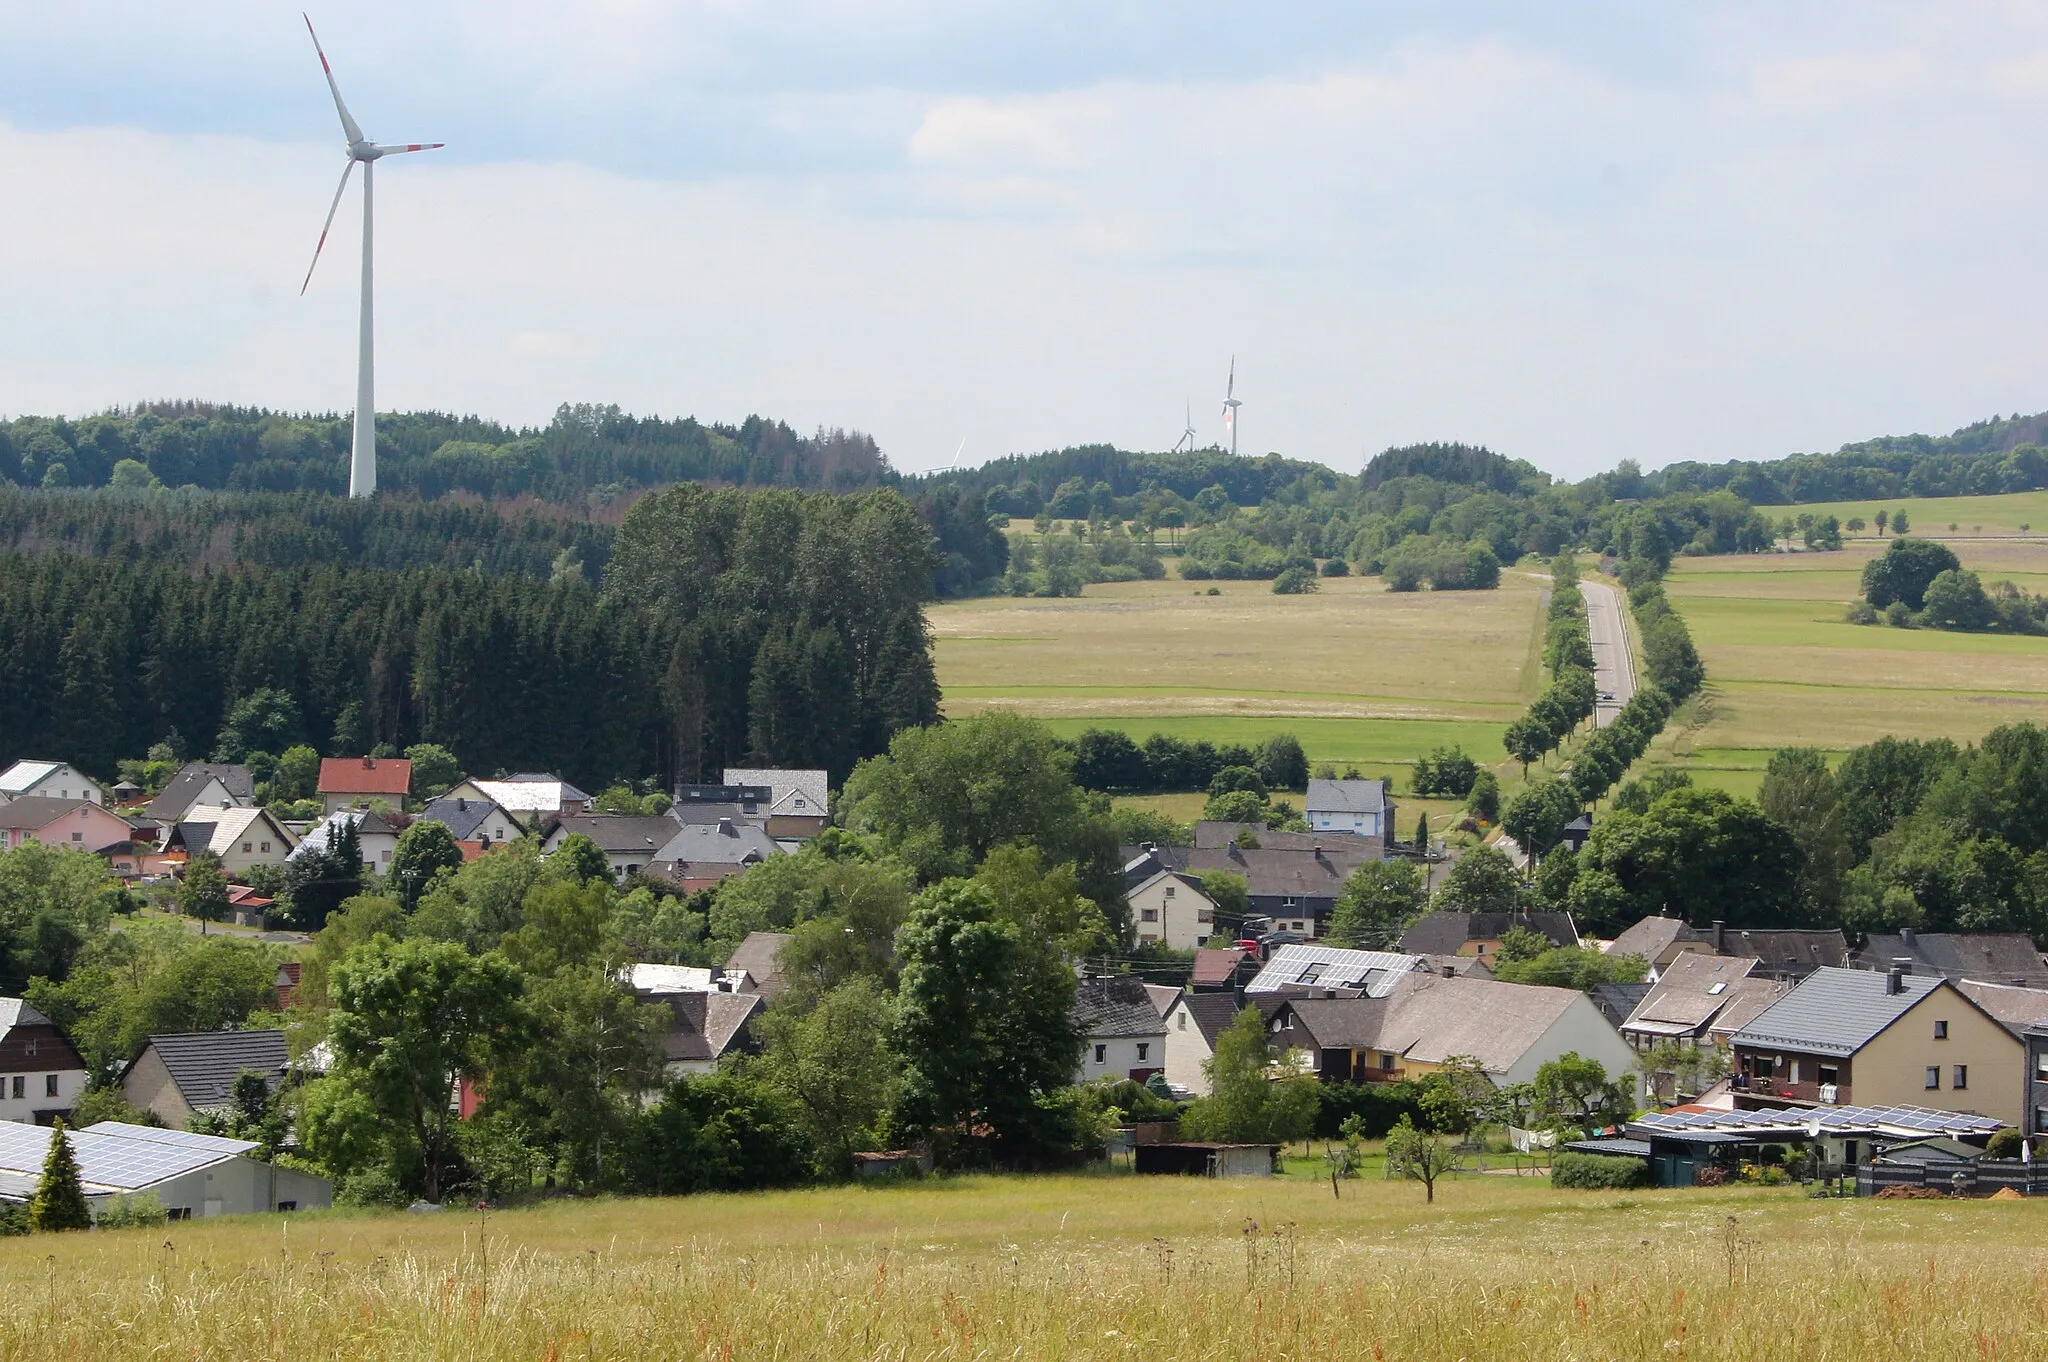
{"type": "Point", "coordinates": [1267, 872]}
{"type": "Point", "coordinates": [2018, 1010]}
{"type": "Point", "coordinates": [532, 792]}
{"type": "Point", "coordinates": [193, 777]}
{"type": "Point", "coordinates": [1444, 933]}
{"type": "Point", "coordinates": [1216, 968]}
{"type": "Point", "coordinates": [114, 1156]}
{"type": "Point", "coordinates": [1212, 1013]}
{"type": "Point", "coordinates": [219, 832]}
{"type": "Point", "coordinates": [1346, 796]}
{"type": "Point", "coordinates": [1617, 1001]}
{"type": "Point", "coordinates": [814, 786]}
{"type": "Point", "coordinates": [1308, 964]}
{"type": "Point", "coordinates": [725, 843]}
{"type": "Point", "coordinates": [1180, 878]}
{"type": "Point", "coordinates": [18, 1012]}
{"type": "Point", "coordinates": [1993, 957]}
{"type": "Point", "coordinates": [463, 816]}
{"type": "Point", "coordinates": [1651, 937]}
{"type": "Point", "coordinates": [618, 834]}
{"type": "Point", "coordinates": [1836, 1011]}
{"type": "Point", "coordinates": [390, 776]}
{"type": "Point", "coordinates": [1116, 1007]}
{"type": "Point", "coordinates": [1430, 1019]}
{"type": "Point", "coordinates": [205, 1064]}
{"type": "Point", "coordinates": [1690, 992]}
{"type": "Point", "coordinates": [1215, 834]}
{"type": "Point", "coordinates": [756, 956]}
{"type": "Point", "coordinates": [26, 775]}
{"type": "Point", "coordinates": [1786, 952]}
{"type": "Point", "coordinates": [703, 1026]}
{"type": "Point", "coordinates": [32, 813]}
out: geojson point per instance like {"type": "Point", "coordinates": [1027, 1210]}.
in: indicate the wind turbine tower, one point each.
{"type": "Point", "coordinates": [1187, 436]}
{"type": "Point", "coordinates": [362, 461]}
{"type": "Point", "coordinates": [1231, 404]}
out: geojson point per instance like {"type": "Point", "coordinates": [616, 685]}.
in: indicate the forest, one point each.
{"type": "Point", "coordinates": [777, 626]}
{"type": "Point", "coordinates": [2002, 454]}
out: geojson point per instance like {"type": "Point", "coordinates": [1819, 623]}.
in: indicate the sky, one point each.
{"type": "Point", "coordinates": [1573, 232]}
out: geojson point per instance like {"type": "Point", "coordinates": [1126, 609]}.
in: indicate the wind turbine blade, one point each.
{"type": "Point", "coordinates": [397, 149]}
{"type": "Point", "coordinates": [348, 125]}
{"type": "Point", "coordinates": [347, 169]}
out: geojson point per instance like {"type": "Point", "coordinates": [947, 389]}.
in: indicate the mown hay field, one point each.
{"type": "Point", "coordinates": [1069, 1268]}
{"type": "Point", "coordinates": [1359, 674]}
{"type": "Point", "coordinates": [2005, 513]}
{"type": "Point", "coordinates": [1785, 667]}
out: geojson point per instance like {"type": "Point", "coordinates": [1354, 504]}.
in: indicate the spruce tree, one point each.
{"type": "Point", "coordinates": [59, 1202]}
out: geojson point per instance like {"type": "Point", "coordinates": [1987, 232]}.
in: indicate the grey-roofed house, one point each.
{"type": "Point", "coordinates": [1701, 999]}
{"type": "Point", "coordinates": [50, 780]}
{"type": "Point", "coordinates": [1193, 1023]}
{"type": "Point", "coordinates": [629, 841]}
{"type": "Point", "coordinates": [201, 785]}
{"type": "Point", "coordinates": [704, 1027]}
{"type": "Point", "coordinates": [2024, 1012]}
{"type": "Point", "coordinates": [177, 1076]}
{"type": "Point", "coordinates": [1781, 954]}
{"type": "Point", "coordinates": [194, 1176]}
{"type": "Point", "coordinates": [1991, 957]}
{"type": "Point", "coordinates": [697, 856]}
{"type": "Point", "coordinates": [1296, 889]}
{"type": "Point", "coordinates": [1123, 1035]}
{"type": "Point", "coordinates": [41, 1074]}
{"type": "Point", "coordinates": [472, 820]}
{"type": "Point", "coordinates": [800, 804]}
{"type": "Point", "coordinates": [1659, 940]}
{"type": "Point", "coordinates": [1846, 1036]}
{"type": "Point", "coordinates": [757, 958]}
{"type": "Point", "coordinates": [1357, 808]}
{"type": "Point", "coordinates": [1617, 1001]}
{"type": "Point", "coordinates": [1481, 934]}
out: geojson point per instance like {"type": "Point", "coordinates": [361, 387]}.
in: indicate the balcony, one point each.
{"type": "Point", "coordinates": [1811, 1094]}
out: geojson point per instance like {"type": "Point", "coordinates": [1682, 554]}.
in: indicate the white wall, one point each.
{"type": "Point", "coordinates": [1120, 1056]}
{"type": "Point", "coordinates": [1181, 914]}
{"type": "Point", "coordinates": [35, 1088]}
{"type": "Point", "coordinates": [1186, 1051]}
{"type": "Point", "coordinates": [1363, 824]}
{"type": "Point", "coordinates": [1583, 1030]}
{"type": "Point", "coordinates": [65, 783]}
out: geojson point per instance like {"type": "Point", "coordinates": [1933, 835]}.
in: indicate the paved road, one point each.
{"type": "Point", "coordinates": [1614, 664]}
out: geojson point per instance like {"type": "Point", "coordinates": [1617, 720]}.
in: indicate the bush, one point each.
{"type": "Point", "coordinates": [1294, 582]}
{"type": "Point", "coordinates": [1336, 567]}
{"type": "Point", "coordinates": [1598, 1172]}
{"type": "Point", "coordinates": [2004, 1144]}
{"type": "Point", "coordinates": [1861, 613]}
{"type": "Point", "coordinates": [131, 1212]}
{"type": "Point", "coordinates": [1378, 1107]}
{"type": "Point", "coordinates": [1899, 615]}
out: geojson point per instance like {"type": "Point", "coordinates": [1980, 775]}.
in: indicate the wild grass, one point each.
{"type": "Point", "coordinates": [1081, 1268]}
{"type": "Point", "coordinates": [1931, 516]}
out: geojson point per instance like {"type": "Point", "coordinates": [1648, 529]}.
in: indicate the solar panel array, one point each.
{"type": "Point", "coordinates": [108, 1162]}
{"type": "Point", "coordinates": [1331, 967]}
{"type": "Point", "coordinates": [184, 1139]}
{"type": "Point", "coordinates": [1915, 1120]}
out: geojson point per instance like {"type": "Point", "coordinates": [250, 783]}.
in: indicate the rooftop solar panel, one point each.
{"type": "Point", "coordinates": [184, 1139]}
{"type": "Point", "coordinates": [109, 1161]}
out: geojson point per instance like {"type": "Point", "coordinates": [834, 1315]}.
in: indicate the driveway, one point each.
{"type": "Point", "coordinates": [1614, 664]}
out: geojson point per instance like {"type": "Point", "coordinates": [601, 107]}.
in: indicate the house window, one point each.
{"type": "Point", "coordinates": [1941, 1030]}
{"type": "Point", "coordinates": [1169, 891]}
{"type": "Point", "coordinates": [1101, 1053]}
{"type": "Point", "coordinates": [247, 848]}
{"type": "Point", "coordinates": [49, 1085]}
{"type": "Point", "coordinates": [387, 853]}
{"type": "Point", "coordinates": [2041, 1118]}
{"type": "Point", "coordinates": [266, 848]}
{"type": "Point", "coordinates": [78, 837]}
{"type": "Point", "coordinates": [2041, 1066]}
{"type": "Point", "coordinates": [1962, 1077]}
{"type": "Point", "coordinates": [20, 1086]}
{"type": "Point", "coordinates": [1480, 949]}
{"type": "Point", "coordinates": [1183, 1021]}
{"type": "Point", "coordinates": [1387, 1062]}
{"type": "Point", "coordinates": [1149, 915]}
{"type": "Point", "coordinates": [1144, 1051]}
{"type": "Point", "coordinates": [1933, 1077]}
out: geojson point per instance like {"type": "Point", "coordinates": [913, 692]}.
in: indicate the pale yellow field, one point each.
{"type": "Point", "coordinates": [1785, 667]}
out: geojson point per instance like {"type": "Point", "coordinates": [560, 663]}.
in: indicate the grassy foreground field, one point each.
{"type": "Point", "coordinates": [1785, 667]}
{"type": "Point", "coordinates": [1360, 675]}
{"type": "Point", "coordinates": [1105, 1267]}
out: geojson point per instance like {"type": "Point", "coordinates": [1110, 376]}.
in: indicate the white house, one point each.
{"type": "Point", "coordinates": [1122, 1033]}
{"type": "Point", "coordinates": [237, 838]}
{"type": "Point", "coordinates": [41, 1074]}
{"type": "Point", "coordinates": [1362, 808]}
{"type": "Point", "coordinates": [51, 780]}
{"type": "Point", "coordinates": [192, 1175]}
{"type": "Point", "coordinates": [375, 836]}
{"type": "Point", "coordinates": [198, 786]}
{"type": "Point", "coordinates": [1192, 1025]}
{"type": "Point", "coordinates": [1171, 909]}
{"type": "Point", "coordinates": [472, 820]}
{"type": "Point", "coordinates": [528, 794]}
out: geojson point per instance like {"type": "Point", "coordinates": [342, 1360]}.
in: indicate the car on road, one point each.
{"type": "Point", "coordinates": [1606, 695]}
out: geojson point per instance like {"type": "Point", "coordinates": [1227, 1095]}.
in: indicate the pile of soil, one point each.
{"type": "Point", "coordinates": [2008, 1194]}
{"type": "Point", "coordinates": [1910, 1194]}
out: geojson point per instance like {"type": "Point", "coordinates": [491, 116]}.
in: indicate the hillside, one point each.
{"type": "Point", "coordinates": [2002, 454]}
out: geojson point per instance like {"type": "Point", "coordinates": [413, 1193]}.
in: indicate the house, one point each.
{"type": "Point", "coordinates": [483, 821]}
{"type": "Point", "coordinates": [1992, 957]}
{"type": "Point", "coordinates": [530, 795]}
{"type": "Point", "coordinates": [1295, 888]}
{"type": "Point", "coordinates": [1678, 1143]}
{"type": "Point", "coordinates": [41, 1074]}
{"type": "Point", "coordinates": [237, 838]}
{"type": "Point", "coordinates": [1122, 1033]}
{"type": "Point", "coordinates": [798, 805]}
{"type": "Point", "coordinates": [756, 957]}
{"type": "Point", "coordinates": [1847, 1036]}
{"type": "Point", "coordinates": [358, 782]}
{"type": "Point", "coordinates": [178, 1076]}
{"type": "Point", "coordinates": [192, 1175]}
{"type": "Point", "coordinates": [1617, 1001]}
{"type": "Point", "coordinates": [48, 780]}
{"type": "Point", "coordinates": [1781, 954]}
{"type": "Point", "coordinates": [78, 824]}
{"type": "Point", "coordinates": [1659, 940]}
{"type": "Point", "coordinates": [1701, 1000]}
{"type": "Point", "coordinates": [704, 1027]}
{"type": "Point", "coordinates": [1313, 966]}
{"type": "Point", "coordinates": [1575, 833]}
{"type": "Point", "coordinates": [2024, 1012]}
{"type": "Point", "coordinates": [376, 836]}
{"type": "Point", "coordinates": [698, 856]}
{"type": "Point", "coordinates": [1509, 1030]}
{"type": "Point", "coordinates": [1481, 934]}
{"type": "Point", "coordinates": [201, 785]}
{"type": "Point", "coordinates": [1171, 909]}
{"type": "Point", "coordinates": [628, 841]}
{"type": "Point", "coordinates": [650, 978]}
{"type": "Point", "coordinates": [1193, 1023]}
{"type": "Point", "coordinates": [1357, 808]}
{"type": "Point", "coordinates": [709, 803]}
{"type": "Point", "coordinates": [1218, 969]}
{"type": "Point", "coordinates": [249, 907]}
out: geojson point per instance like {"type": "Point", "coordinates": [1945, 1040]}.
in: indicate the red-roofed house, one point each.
{"type": "Point", "coordinates": [352, 782]}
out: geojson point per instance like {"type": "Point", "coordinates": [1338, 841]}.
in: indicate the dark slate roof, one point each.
{"type": "Point", "coordinates": [1617, 1001]}
{"type": "Point", "coordinates": [1334, 1023]}
{"type": "Point", "coordinates": [705, 1025]}
{"type": "Point", "coordinates": [462, 816]}
{"type": "Point", "coordinates": [756, 955]}
{"type": "Point", "coordinates": [176, 797]}
{"type": "Point", "coordinates": [1268, 872]}
{"type": "Point", "coordinates": [1117, 1006]}
{"type": "Point", "coordinates": [1212, 1013]}
{"type": "Point", "coordinates": [1651, 937]}
{"type": "Point", "coordinates": [18, 1012]}
{"type": "Point", "coordinates": [1991, 957]}
{"type": "Point", "coordinates": [622, 834]}
{"type": "Point", "coordinates": [723, 843]}
{"type": "Point", "coordinates": [1784, 952]}
{"type": "Point", "coordinates": [1447, 933]}
{"type": "Point", "coordinates": [1834, 1011]}
{"type": "Point", "coordinates": [1346, 796]}
{"type": "Point", "coordinates": [204, 1064]}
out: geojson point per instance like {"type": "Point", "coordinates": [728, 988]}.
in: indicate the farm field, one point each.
{"type": "Point", "coordinates": [1107, 1266]}
{"type": "Point", "coordinates": [2007, 513]}
{"type": "Point", "coordinates": [1785, 667]}
{"type": "Point", "coordinates": [1362, 676]}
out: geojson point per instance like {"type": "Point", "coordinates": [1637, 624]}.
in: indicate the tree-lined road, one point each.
{"type": "Point", "coordinates": [1614, 668]}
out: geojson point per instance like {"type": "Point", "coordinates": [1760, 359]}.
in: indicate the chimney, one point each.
{"type": "Point", "coordinates": [1908, 938]}
{"type": "Point", "coordinates": [1902, 964]}
{"type": "Point", "coordinates": [726, 829]}
{"type": "Point", "coordinates": [1329, 993]}
{"type": "Point", "coordinates": [1720, 936]}
{"type": "Point", "coordinates": [1450, 971]}
{"type": "Point", "coordinates": [1894, 980]}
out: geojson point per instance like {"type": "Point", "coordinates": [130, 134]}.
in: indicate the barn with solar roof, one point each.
{"type": "Point", "coordinates": [192, 1175]}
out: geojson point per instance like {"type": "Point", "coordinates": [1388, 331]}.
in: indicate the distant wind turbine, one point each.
{"type": "Point", "coordinates": [1231, 404]}
{"type": "Point", "coordinates": [1187, 436]}
{"type": "Point", "coordinates": [362, 461]}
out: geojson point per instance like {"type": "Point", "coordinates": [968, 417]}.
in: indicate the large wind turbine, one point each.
{"type": "Point", "coordinates": [362, 461]}
{"type": "Point", "coordinates": [1230, 402]}
{"type": "Point", "coordinates": [1187, 436]}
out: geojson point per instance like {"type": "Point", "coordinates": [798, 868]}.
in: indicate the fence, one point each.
{"type": "Point", "coordinates": [1954, 1175]}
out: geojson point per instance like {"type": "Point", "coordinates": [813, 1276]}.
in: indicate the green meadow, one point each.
{"type": "Point", "coordinates": [2007, 513]}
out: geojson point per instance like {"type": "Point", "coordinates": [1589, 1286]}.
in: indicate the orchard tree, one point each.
{"type": "Point", "coordinates": [1380, 900]}
{"type": "Point", "coordinates": [425, 851]}
{"type": "Point", "coordinates": [203, 891]}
